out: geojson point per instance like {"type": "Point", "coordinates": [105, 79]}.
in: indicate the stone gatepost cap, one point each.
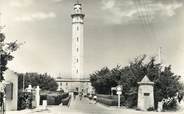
{"type": "Point", "coordinates": [145, 81]}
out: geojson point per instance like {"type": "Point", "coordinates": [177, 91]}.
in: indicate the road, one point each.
{"type": "Point", "coordinates": [85, 106]}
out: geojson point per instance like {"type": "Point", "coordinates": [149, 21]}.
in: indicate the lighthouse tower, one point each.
{"type": "Point", "coordinates": [77, 41]}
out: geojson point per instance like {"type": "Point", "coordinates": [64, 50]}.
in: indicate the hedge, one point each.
{"type": "Point", "coordinates": [109, 100]}
{"type": "Point", "coordinates": [66, 100]}
{"type": "Point", "coordinates": [22, 96]}
{"type": "Point", "coordinates": [53, 99]}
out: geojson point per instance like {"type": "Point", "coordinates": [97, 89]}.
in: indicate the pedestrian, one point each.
{"type": "Point", "coordinates": [80, 95]}
{"type": "Point", "coordinates": [95, 98]}
{"type": "Point", "coordinates": [74, 95]}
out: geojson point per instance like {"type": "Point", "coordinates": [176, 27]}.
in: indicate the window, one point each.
{"type": "Point", "coordinates": [77, 49]}
{"type": "Point", "coordinates": [66, 84]}
{"type": "Point", "coordinates": [146, 94]}
{"type": "Point", "coordinates": [77, 39]}
{"type": "Point", "coordinates": [77, 28]}
{"type": "Point", "coordinates": [77, 60]}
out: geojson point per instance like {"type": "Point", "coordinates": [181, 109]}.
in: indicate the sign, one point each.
{"type": "Point", "coordinates": [113, 88]}
{"type": "Point", "coordinates": [119, 88]}
{"type": "Point", "coordinates": [119, 92]}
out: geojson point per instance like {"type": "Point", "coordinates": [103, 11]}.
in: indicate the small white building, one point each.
{"type": "Point", "coordinates": [11, 80]}
{"type": "Point", "coordinates": [145, 94]}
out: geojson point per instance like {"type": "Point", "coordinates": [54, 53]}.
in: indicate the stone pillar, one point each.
{"type": "Point", "coordinates": [37, 97]}
{"type": "Point", "coordinates": [44, 105]}
{"type": "Point", "coordinates": [145, 94]}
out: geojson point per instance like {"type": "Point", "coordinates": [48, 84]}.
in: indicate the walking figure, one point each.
{"type": "Point", "coordinates": [74, 94]}
{"type": "Point", "coordinates": [80, 95]}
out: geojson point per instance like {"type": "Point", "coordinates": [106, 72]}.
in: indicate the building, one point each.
{"type": "Point", "coordinates": [77, 41]}
{"type": "Point", "coordinates": [145, 94]}
{"type": "Point", "coordinates": [77, 82]}
{"type": "Point", "coordinates": [11, 90]}
{"type": "Point", "coordinates": [66, 84]}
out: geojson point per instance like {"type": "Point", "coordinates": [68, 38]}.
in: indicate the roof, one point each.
{"type": "Point", "coordinates": [73, 80]}
{"type": "Point", "coordinates": [146, 81]}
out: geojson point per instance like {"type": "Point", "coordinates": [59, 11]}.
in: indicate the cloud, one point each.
{"type": "Point", "coordinates": [21, 3]}
{"type": "Point", "coordinates": [122, 12]}
{"type": "Point", "coordinates": [26, 3]}
{"type": "Point", "coordinates": [57, 0]}
{"type": "Point", "coordinates": [36, 16]}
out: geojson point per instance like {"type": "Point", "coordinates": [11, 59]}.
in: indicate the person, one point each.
{"type": "Point", "coordinates": [74, 94]}
{"type": "Point", "coordinates": [80, 95]}
{"type": "Point", "coordinates": [95, 98]}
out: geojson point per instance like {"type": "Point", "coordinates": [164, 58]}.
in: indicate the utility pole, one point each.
{"type": "Point", "coordinates": [160, 60]}
{"type": "Point", "coordinates": [160, 55]}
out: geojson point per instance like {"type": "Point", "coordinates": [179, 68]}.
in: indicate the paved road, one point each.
{"type": "Point", "coordinates": [85, 106]}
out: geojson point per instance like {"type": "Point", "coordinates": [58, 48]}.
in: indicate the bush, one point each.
{"type": "Point", "coordinates": [106, 101]}
{"type": "Point", "coordinates": [109, 100]}
{"type": "Point", "coordinates": [53, 99]}
{"type": "Point", "coordinates": [172, 105]}
{"type": "Point", "coordinates": [66, 100]}
{"type": "Point", "coordinates": [58, 99]}
{"type": "Point", "coordinates": [22, 96]}
{"type": "Point", "coordinates": [150, 109]}
{"type": "Point", "coordinates": [64, 95]}
{"type": "Point", "coordinates": [42, 97]}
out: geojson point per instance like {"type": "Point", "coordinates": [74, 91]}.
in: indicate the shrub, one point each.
{"type": "Point", "coordinates": [22, 96]}
{"type": "Point", "coordinates": [51, 100]}
{"type": "Point", "coordinates": [64, 95]}
{"type": "Point", "coordinates": [106, 101]}
{"type": "Point", "coordinates": [66, 100]}
{"type": "Point", "coordinates": [42, 97]}
{"type": "Point", "coordinates": [150, 109]}
{"type": "Point", "coordinates": [58, 99]}
{"type": "Point", "coordinates": [109, 100]}
{"type": "Point", "coordinates": [172, 105]}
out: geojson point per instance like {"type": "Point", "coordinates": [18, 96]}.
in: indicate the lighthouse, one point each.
{"type": "Point", "coordinates": [77, 41]}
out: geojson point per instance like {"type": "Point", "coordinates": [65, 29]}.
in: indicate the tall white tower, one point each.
{"type": "Point", "coordinates": [77, 41]}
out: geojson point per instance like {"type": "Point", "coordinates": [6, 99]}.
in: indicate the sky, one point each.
{"type": "Point", "coordinates": [115, 32]}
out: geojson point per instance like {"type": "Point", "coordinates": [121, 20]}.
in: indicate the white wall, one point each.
{"type": "Point", "coordinates": [10, 76]}
{"type": "Point", "coordinates": [141, 98]}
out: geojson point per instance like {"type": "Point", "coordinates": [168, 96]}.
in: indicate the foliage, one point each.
{"type": "Point", "coordinates": [45, 81]}
{"type": "Point", "coordinates": [22, 96]}
{"type": "Point", "coordinates": [109, 100]}
{"type": "Point", "coordinates": [53, 98]}
{"type": "Point", "coordinates": [66, 101]}
{"type": "Point", "coordinates": [106, 101]}
{"type": "Point", "coordinates": [171, 105]}
{"type": "Point", "coordinates": [6, 50]}
{"type": "Point", "coordinates": [166, 85]}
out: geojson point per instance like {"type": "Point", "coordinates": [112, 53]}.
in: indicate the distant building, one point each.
{"type": "Point", "coordinates": [66, 84]}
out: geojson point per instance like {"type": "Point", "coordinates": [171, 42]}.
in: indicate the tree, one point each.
{"type": "Point", "coordinates": [167, 84]}
{"type": "Point", "coordinates": [45, 81]}
{"type": "Point", "coordinates": [6, 50]}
